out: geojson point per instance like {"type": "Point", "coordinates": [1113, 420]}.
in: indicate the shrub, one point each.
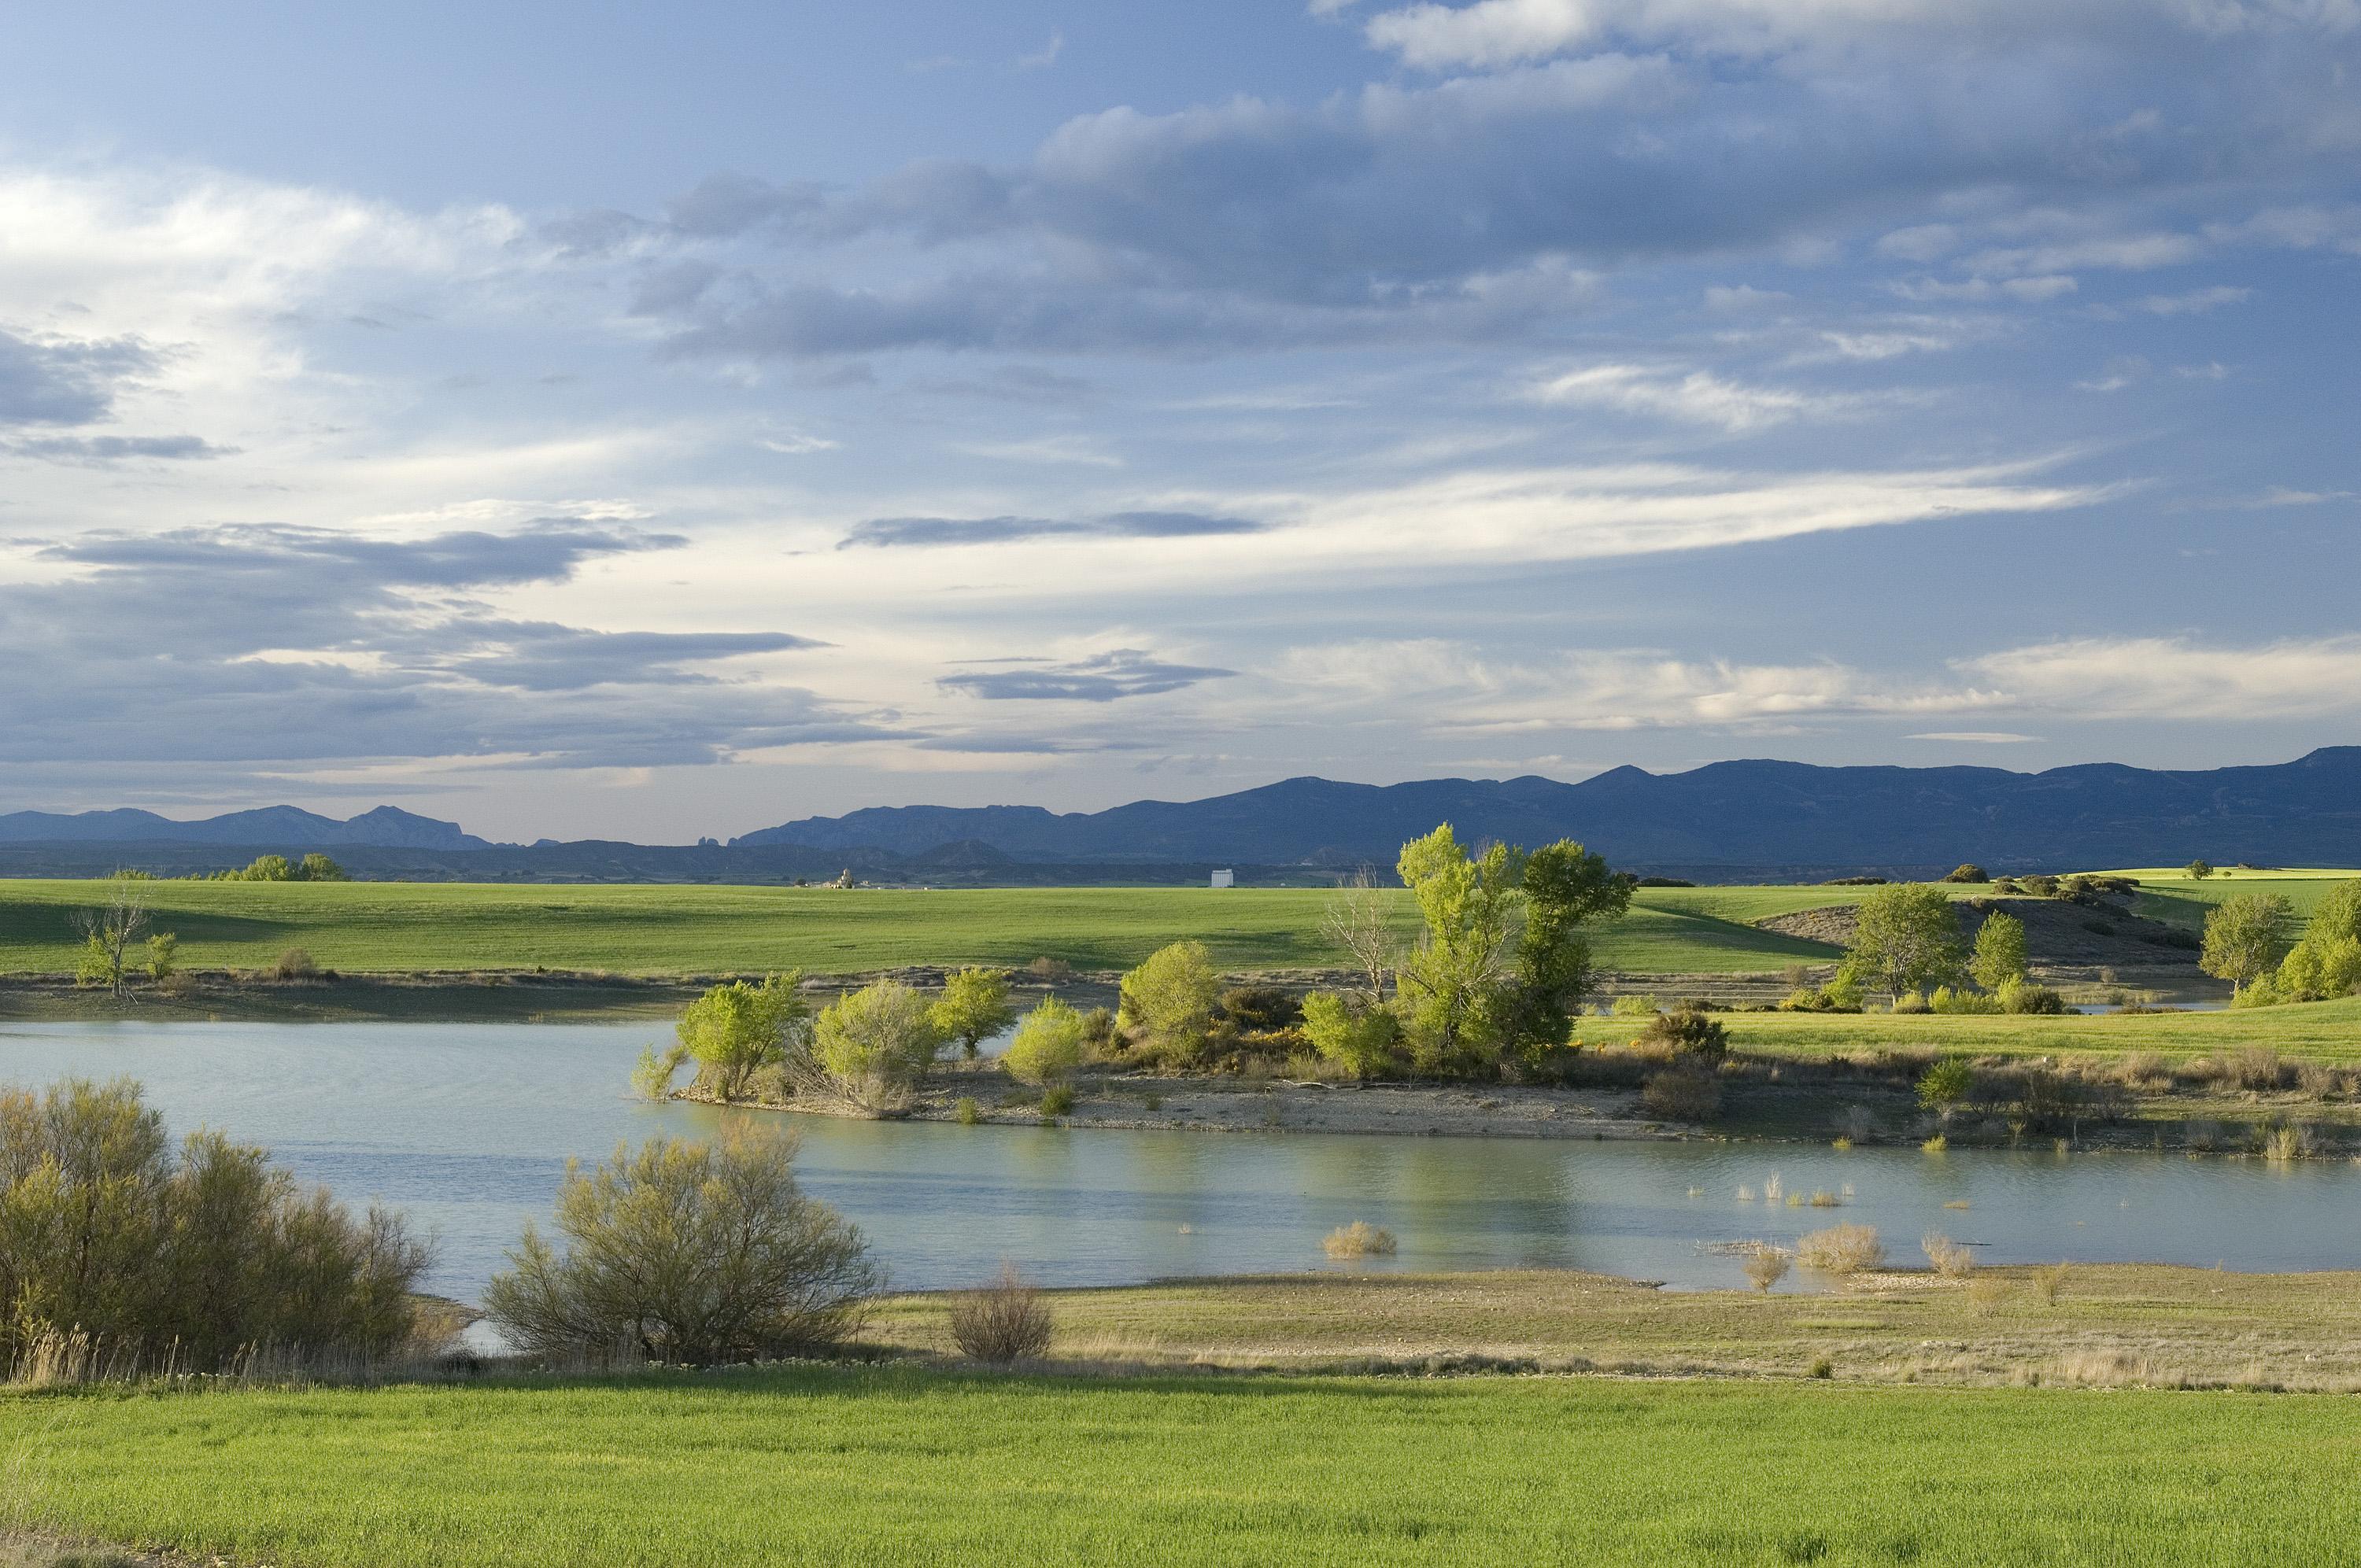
{"type": "Point", "coordinates": [1967, 872]}
{"type": "Point", "coordinates": [1049, 1044]}
{"type": "Point", "coordinates": [1939, 1144]}
{"type": "Point", "coordinates": [1169, 1001]}
{"type": "Point", "coordinates": [1911, 1002]}
{"type": "Point", "coordinates": [1049, 968]}
{"type": "Point", "coordinates": [1058, 1101]}
{"type": "Point", "coordinates": [1262, 1008]}
{"type": "Point", "coordinates": [1689, 1032]}
{"type": "Point", "coordinates": [1683, 1094]}
{"type": "Point", "coordinates": [1845, 1248]}
{"type": "Point", "coordinates": [1361, 1040]}
{"type": "Point", "coordinates": [1642, 1006]}
{"type": "Point", "coordinates": [1664, 881]}
{"type": "Point", "coordinates": [967, 1112]}
{"type": "Point", "coordinates": [1946, 1000]}
{"type": "Point", "coordinates": [1360, 1239]}
{"type": "Point", "coordinates": [2258, 1067]}
{"type": "Point", "coordinates": [652, 1079]}
{"type": "Point", "coordinates": [1985, 1295]}
{"type": "Point", "coordinates": [2039, 885]}
{"type": "Point", "coordinates": [736, 1030]}
{"type": "Point", "coordinates": [199, 1253]}
{"type": "Point", "coordinates": [2025, 997]}
{"type": "Point", "coordinates": [2050, 1283]}
{"type": "Point", "coordinates": [294, 964]}
{"type": "Point", "coordinates": [974, 1006]}
{"type": "Point", "coordinates": [1765, 1266]}
{"type": "Point", "coordinates": [1945, 1256]}
{"type": "Point", "coordinates": [163, 955]}
{"type": "Point", "coordinates": [1946, 1084]}
{"type": "Point", "coordinates": [692, 1253]}
{"type": "Point", "coordinates": [1100, 1037]}
{"type": "Point", "coordinates": [2000, 952]}
{"type": "Point", "coordinates": [1005, 1323]}
{"type": "Point", "coordinates": [871, 1045]}
{"type": "Point", "coordinates": [2291, 1142]}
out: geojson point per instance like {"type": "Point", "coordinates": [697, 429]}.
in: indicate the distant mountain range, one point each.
{"type": "Point", "coordinates": [1729, 821]}
{"type": "Point", "coordinates": [1743, 814]}
{"type": "Point", "coordinates": [275, 827]}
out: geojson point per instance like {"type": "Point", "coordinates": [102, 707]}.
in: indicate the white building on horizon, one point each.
{"type": "Point", "coordinates": [1225, 878]}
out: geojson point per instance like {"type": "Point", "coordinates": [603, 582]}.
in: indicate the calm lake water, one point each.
{"type": "Point", "coordinates": [468, 1126]}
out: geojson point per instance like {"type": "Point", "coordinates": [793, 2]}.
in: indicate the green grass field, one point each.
{"type": "Point", "coordinates": [2323, 1031]}
{"type": "Point", "coordinates": [835, 1464]}
{"type": "Point", "coordinates": [394, 926]}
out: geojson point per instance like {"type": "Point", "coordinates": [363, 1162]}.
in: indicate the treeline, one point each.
{"type": "Point", "coordinates": [2248, 943]}
{"type": "Point", "coordinates": [314, 867]}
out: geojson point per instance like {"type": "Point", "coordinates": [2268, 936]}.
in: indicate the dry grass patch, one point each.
{"type": "Point", "coordinates": [1841, 1249]}
{"type": "Point", "coordinates": [1360, 1239]}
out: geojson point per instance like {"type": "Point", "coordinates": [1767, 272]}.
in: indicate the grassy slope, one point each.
{"type": "Point", "coordinates": [901, 1465]}
{"type": "Point", "coordinates": [375, 927]}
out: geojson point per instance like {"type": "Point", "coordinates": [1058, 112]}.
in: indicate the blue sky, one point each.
{"type": "Point", "coordinates": [647, 422]}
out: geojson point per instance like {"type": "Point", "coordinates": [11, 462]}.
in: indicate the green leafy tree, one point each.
{"type": "Point", "coordinates": [1170, 999]}
{"type": "Point", "coordinates": [735, 1031]}
{"type": "Point", "coordinates": [1905, 938]}
{"type": "Point", "coordinates": [1967, 872]}
{"type": "Point", "coordinates": [268, 868]}
{"type": "Point", "coordinates": [1565, 888]}
{"type": "Point", "coordinates": [2000, 954]}
{"type": "Point", "coordinates": [317, 867]}
{"type": "Point", "coordinates": [1453, 983]}
{"type": "Point", "coordinates": [2327, 962]}
{"type": "Point", "coordinates": [874, 1043]}
{"type": "Point", "coordinates": [974, 1006]}
{"type": "Point", "coordinates": [2200, 870]}
{"type": "Point", "coordinates": [2245, 938]}
{"type": "Point", "coordinates": [1348, 1031]}
{"type": "Point", "coordinates": [163, 955]}
{"type": "Point", "coordinates": [1050, 1044]}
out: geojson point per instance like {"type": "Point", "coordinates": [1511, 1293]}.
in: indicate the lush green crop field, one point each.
{"type": "Point", "coordinates": [390, 927]}
{"type": "Point", "coordinates": [2170, 896]}
{"type": "Point", "coordinates": [901, 1465]}
{"type": "Point", "coordinates": [2324, 1031]}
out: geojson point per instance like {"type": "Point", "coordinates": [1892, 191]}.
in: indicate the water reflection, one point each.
{"type": "Point", "coordinates": [468, 1126]}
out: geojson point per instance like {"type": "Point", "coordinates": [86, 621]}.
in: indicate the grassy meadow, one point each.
{"type": "Point", "coordinates": [378, 927]}
{"type": "Point", "coordinates": [2321, 1031]}
{"type": "Point", "coordinates": [843, 1464]}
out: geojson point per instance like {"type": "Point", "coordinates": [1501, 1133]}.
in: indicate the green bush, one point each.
{"type": "Point", "coordinates": [974, 1006]}
{"type": "Point", "coordinates": [1362, 1040]}
{"type": "Point", "coordinates": [1947, 1083]}
{"type": "Point", "coordinates": [1683, 1093]}
{"type": "Point", "coordinates": [1168, 1000]}
{"type": "Point", "coordinates": [873, 1045]}
{"type": "Point", "coordinates": [736, 1031]}
{"type": "Point", "coordinates": [1946, 1000]}
{"type": "Point", "coordinates": [1058, 1101]}
{"type": "Point", "coordinates": [967, 1112]}
{"type": "Point", "coordinates": [1967, 872]}
{"type": "Point", "coordinates": [2028, 998]}
{"type": "Point", "coordinates": [1049, 1044]}
{"type": "Point", "coordinates": [1262, 1008]}
{"type": "Point", "coordinates": [197, 1253]}
{"type": "Point", "coordinates": [1911, 1002]}
{"type": "Point", "coordinates": [689, 1253]}
{"type": "Point", "coordinates": [1641, 1006]}
{"type": "Point", "coordinates": [2000, 952]}
{"type": "Point", "coordinates": [1688, 1031]}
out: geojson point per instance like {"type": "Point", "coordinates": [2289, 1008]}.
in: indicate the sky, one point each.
{"type": "Point", "coordinates": [651, 421]}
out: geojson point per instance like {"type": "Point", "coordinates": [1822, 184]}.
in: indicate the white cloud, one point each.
{"type": "Point", "coordinates": [1985, 290]}
{"type": "Point", "coordinates": [2179, 678]}
{"type": "Point", "coordinates": [2195, 301]}
{"type": "Point", "coordinates": [1975, 737]}
{"type": "Point", "coordinates": [1697, 396]}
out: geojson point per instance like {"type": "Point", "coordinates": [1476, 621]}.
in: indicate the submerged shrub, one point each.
{"type": "Point", "coordinates": [1003, 1322]}
{"type": "Point", "coordinates": [197, 1253]}
{"type": "Point", "coordinates": [684, 1251]}
{"type": "Point", "coordinates": [1945, 1256]}
{"type": "Point", "coordinates": [1765, 1266]}
{"type": "Point", "coordinates": [1846, 1248]}
{"type": "Point", "coordinates": [1360, 1239]}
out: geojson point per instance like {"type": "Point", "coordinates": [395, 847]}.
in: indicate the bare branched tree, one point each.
{"type": "Point", "coordinates": [109, 931]}
{"type": "Point", "coordinates": [1355, 921]}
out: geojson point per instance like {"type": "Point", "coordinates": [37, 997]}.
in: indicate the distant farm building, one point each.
{"type": "Point", "coordinates": [1225, 879]}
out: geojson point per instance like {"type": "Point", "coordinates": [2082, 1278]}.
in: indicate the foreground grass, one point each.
{"type": "Point", "coordinates": [2104, 1323]}
{"type": "Point", "coordinates": [834, 1464]}
{"type": "Point", "coordinates": [377, 927]}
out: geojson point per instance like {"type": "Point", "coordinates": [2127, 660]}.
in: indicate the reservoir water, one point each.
{"type": "Point", "coordinates": [468, 1127]}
